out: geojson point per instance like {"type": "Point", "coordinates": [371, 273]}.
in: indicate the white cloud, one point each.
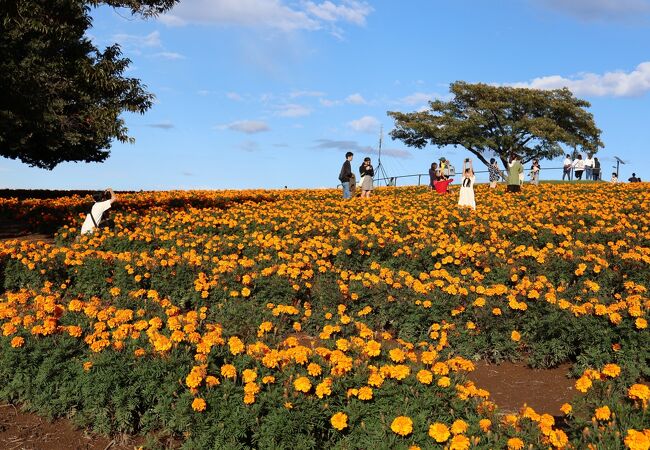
{"type": "Point", "coordinates": [234, 96]}
{"type": "Point", "coordinates": [292, 110]}
{"type": "Point", "coordinates": [168, 55]}
{"type": "Point", "coordinates": [367, 124]}
{"type": "Point", "coordinates": [249, 146]}
{"type": "Point", "coordinates": [329, 144]}
{"type": "Point", "coordinates": [276, 14]}
{"type": "Point", "coordinates": [419, 98]}
{"type": "Point", "coordinates": [600, 9]}
{"type": "Point", "coordinates": [165, 125]}
{"type": "Point", "coordinates": [247, 126]}
{"type": "Point", "coordinates": [612, 84]}
{"type": "Point", "coordinates": [150, 40]}
{"type": "Point", "coordinates": [356, 99]}
{"type": "Point", "coordinates": [296, 94]}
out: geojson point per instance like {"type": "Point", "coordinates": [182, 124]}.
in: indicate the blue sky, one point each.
{"type": "Point", "coordinates": [271, 93]}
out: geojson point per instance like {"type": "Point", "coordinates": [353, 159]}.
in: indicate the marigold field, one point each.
{"type": "Point", "coordinates": [295, 319]}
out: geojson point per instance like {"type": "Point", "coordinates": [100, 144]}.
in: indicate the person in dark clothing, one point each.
{"type": "Point", "coordinates": [596, 171]}
{"type": "Point", "coordinates": [432, 175]}
{"type": "Point", "coordinates": [346, 174]}
{"type": "Point", "coordinates": [634, 178]}
{"type": "Point", "coordinates": [367, 172]}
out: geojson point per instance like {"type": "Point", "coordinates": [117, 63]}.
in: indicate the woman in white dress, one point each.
{"type": "Point", "coordinates": [367, 173]}
{"type": "Point", "coordinates": [466, 197]}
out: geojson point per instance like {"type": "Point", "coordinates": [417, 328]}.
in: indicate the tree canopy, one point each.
{"type": "Point", "coordinates": [63, 97]}
{"type": "Point", "coordinates": [502, 120]}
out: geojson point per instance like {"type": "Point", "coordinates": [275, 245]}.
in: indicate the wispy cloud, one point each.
{"type": "Point", "coordinates": [354, 146]}
{"type": "Point", "coordinates": [274, 14]}
{"type": "Point", "coordinates": [356, 99]}
{"type": "Point", "coordinates": [150, 40]}
{"type": "Point", "coordinates": [166, 125]}
{"type": "Point", "coordinates": [610, 84]}
{"type": "Point", "coordinates": [418, 98]}
{"type": "Point", "coordinates": [366, 124]}
{"type": "Point", "coordinates": [292, 110]}
{"type": "Point", "coordinates": [168, 55]}
{"type": "Point", "coordinates": [296, 94]}
{"type": "Point", "coordinates": [605, 10]}
{"type": "Point", "coordinates": [248, 146]}
{"type": "Point", "coordinates": [246, 126]}
{"type": "Point", "coordinates": [234, 96]}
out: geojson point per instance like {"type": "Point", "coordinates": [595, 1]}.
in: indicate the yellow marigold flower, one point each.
{"type": "Point", "coordinates": [515, 444]}
{"type": "Point", "coordinates": [249, 399]}
{"type": "Point", "coordinates": [302, 384]}
{"type": "Point", "coordinates": [429, 357]}
{"type": "Point", "coordinates": [424, 376]}
{"type": "Point", "coordinates": [439, 432]}
{"type": "Point", "coordinates": [402, 425]}
{"type": "Point", "coordinates": [558, 439]}
{"type": "Point", "coordinates": [397, 355]}
{"type": "Point", "coordinates": [88, 365]}
{"type": "Point", "coordinates": [637, 440]}
{"type": "Point", "coordinates": [249, 375]}
{"type": "Point", "coordinates": [269, 379]}
{"type": "Point", "coordinates": [603, 413]}
{"type": "Point", "coordinates": [485, 425]}
{"type": "Point", "coordinates": [198, 404]}
{"type": "Point", "coordinates": [236, 345]}
{"type": "Point", "coordinates": [611, 370]}
{"type": "Point", "coordinates": [339, 421]}
{"type": "Point", "coordinates": [324, 389]}
{"type": "Point", "coordinates": [373, 348]}
{"type": "Point", "coordinates": [17, 342]}
{"type": "Point", "coordinates": [444, 382]}
{"type": "Point", "coordinates": [211, 381]}
{"type": "Point", "coordinates": [566, 408]}
{"type": "Point", "coordinates": [440, 368]}
{"type": "Point", "coordinates": [583, 384]}
{"type": "Point", "coordinates": [245, 292]}
{"type": "Point", "coordinates": [375, 379]}
{"type": "Point", "coordinates": [288, 405]}
{"type": "Point", "coordinates": [228, 371]}
{"type": "Point", "coordinates": [641, 323]}
{"type": "Point", "coordinates": [459, 427]}
{"type": "Point", "coordinates": [400, 371]}
{"type": "Point", "coordinates": [365, 393]}
{"type": "Point", "coordinates": [639, 392]}
{"type": "Point", "coordinates": [496, 311]}
{"type": "Point", "coordinates": [515, 336]}
{"type": "Point", "coordinates": [314, 369]}
{"type": "Point", "coordinates": [459, 442]}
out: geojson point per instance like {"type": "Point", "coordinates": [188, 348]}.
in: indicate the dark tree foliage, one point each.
{"type": "Point", "coordinates": [61, 96]}
{"type": "Point", "coordinates": [502, 120]}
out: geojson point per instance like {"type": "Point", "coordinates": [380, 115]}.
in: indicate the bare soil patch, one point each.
{"type": "Point", "coordinates": [511, 385]}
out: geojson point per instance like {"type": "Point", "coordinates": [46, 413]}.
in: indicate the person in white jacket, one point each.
{"type": "Point", "coordinates": [102, 204]}
{"type": "Point", "coordinates": [589, 167]}
{"type": "Point", "coordinates": [578, 167]}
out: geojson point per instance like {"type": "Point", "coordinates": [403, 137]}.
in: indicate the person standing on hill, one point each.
{"type": "Point", "coordinates": [534, 172]}
{"type": "Point", "coordinates": [466, 196]}
{"type": "Point", "coordinates": [495, 173]}
{"type": "Point", "coordinates": [367, 172]}
{"type": "Point", "coordinates": [346, 174]}
{"type": "Point", "coordinates": [514, 170]}
{"type": "Point", "coordinates": [596, 172]}
{"type": "Point", "coordinates": [568, 165]}
{"type": "Point", "coordinates": [589, 167]}
{"type": "Point", "coordinates": [433, 175]}
{"type": "Point", "coordinates": [634, 178]}
{"type": "Point", "coordinates": [578, 167]}
{"type": "Point", "coordinates": [95, 219]}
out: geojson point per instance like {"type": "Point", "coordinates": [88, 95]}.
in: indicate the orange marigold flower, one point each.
{"type": "Point", "coordinates": [444, 382]}
{"type": "Point", "coordinates": [515, 336]}
{"type": "Point", "coordinates": [583, 384]}
{"type": "Point", "coordinates": [603, 413]}
{"type": "Point", "coordinates": [485, 425]}
{"type": "Point", "coordinates": [439, 432]}
{"type": "Point", "coordinates": [641, 323]}
{"type": "Point", "coordinates": [459, 442]}
{"type": "Point", "coordinates": [88, 365]}
{"type": "Point", "coordinates": [637, 440]}
{"type": "Point", "coordinates": [314, 369]}
{"type": "Point", "coordinates": [402, 425]}
{"type": "Point", "coordinates": [611, 370]}
{"type": "Point", "coordinates": [566, 408]}
{"type": "Point", "coordinates": [424, 376]}
{"type": "Point", "coordinates": [17, 341]}
{"type": "Point", "coordinates": [339, 421]}
{"type": "Point", "coordinates": [515, 444]}
{"type": "Point", "coordinates": [639, 392]}
{"type": "Point", "coordinates": [228, 371]}
{"type": "Point", "coordinates": [397, 355]}
{"type": "Point", "coordinates": [249, 375]}
{"type": "Point", "coordinates": [365, 393]}
{"type": "Point", "coordinates": [236, 345]}
{"type": "Point", "coordinates": [459, 427]}
{"type": "Point", "coordinates": [198, 404]}
{"type": "Point", "coordinates": [302, 384]}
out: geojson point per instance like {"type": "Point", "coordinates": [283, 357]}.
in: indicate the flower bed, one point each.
{"type": "Point", "coordinates": [273, 319]}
